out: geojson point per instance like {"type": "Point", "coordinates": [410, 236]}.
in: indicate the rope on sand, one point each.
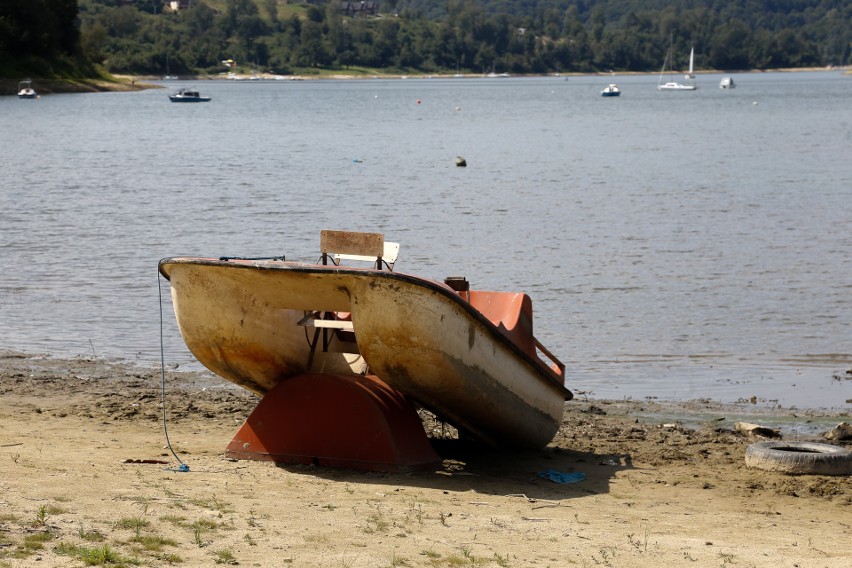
{"type": "Point", "coordinates": [182, 467]}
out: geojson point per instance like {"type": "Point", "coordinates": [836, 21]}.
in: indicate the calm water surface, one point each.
{"type": "Point", "coordinates": [676, 245]}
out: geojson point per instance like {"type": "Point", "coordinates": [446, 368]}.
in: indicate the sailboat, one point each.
{"type": "Point", "coordinates": [673, 85]}
{"type": "Point", "coordinates": [691, 73]}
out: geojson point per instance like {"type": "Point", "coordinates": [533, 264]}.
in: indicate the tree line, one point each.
{"type": "Point", "coordinates": [144, 37]}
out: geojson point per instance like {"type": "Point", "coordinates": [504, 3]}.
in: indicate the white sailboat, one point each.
{"type": "Point", "coordinates": [671, 84]}
{"type": "Point", "coordinates": [691, 73]}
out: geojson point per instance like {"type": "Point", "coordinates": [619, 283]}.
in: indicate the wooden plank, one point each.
{"type": "Point", "coordinates": [331, 324]}
{"type": "Point", "coordinates": [312, 320]}
{"type": "Point", "coordinates": [350, 242]}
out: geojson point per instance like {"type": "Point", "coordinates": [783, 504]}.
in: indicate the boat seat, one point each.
{"type": "Point", "coordinates": [315, 319]}
{"type": "Point", "coordinates": [512, 313]}
{"type": "Point", "coordinates": [338, 246]}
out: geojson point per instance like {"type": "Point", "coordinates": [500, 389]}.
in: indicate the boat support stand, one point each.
{"type": "Point", "coordinates": [335, 420]}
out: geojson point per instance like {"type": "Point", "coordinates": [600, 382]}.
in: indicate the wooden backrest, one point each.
{"type": "Point", "coordinates": [352, 245]}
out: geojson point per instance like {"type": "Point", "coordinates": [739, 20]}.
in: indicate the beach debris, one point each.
{"type": "Point", "coordinates": [842, 431]}
{"type": "Point", "coordinates": [562, 477]}
{"type": "Point", "coordinates": [800, 458]}
{"type": "Point", "coordinates": [145, 461]}
{"type": "Point", "coordinates": [843, 375]}
{"type": "Point", "coordinates": [596, 410]}
{"type": "Point", "coordinates": [750, 429]}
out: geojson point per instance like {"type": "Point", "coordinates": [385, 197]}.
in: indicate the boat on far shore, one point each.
{"type": "Point", "coordinates": [611, 90]}
{"type": "Point", "coordinates": [26, 91]}
{"type": "Point", "coordinates": [188, 96]}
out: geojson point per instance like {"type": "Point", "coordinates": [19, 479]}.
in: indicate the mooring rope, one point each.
{"type": "Point", "coordinates": [182, 466]}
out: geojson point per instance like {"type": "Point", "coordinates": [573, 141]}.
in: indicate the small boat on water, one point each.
{"type": "Point", "coordinates": [691, 73]}
{"type": "Point", "coordinates": [188, 96]}
{"type": "Point", "coordinates": [671, 84]}
{"type": "Point", "coordinates": [611, 90]}
{"type": "Point", "coordinates": [727, 83]}
{"type": "Point", "coordinates": [25, 90]}
{"type": "Point", "coordinates": [278, 327]}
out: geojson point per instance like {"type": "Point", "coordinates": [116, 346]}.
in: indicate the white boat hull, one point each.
{"type": "Point", "coordinates": [674, 86]}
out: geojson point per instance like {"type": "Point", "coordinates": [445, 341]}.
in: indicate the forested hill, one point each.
{"type": "Point", "coordinates": [147, 37]}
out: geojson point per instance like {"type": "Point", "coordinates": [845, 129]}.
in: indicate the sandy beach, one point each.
{"type": "Point", "coordinates": [86, 477]}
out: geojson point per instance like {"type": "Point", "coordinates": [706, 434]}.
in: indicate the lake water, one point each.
{"type": "Point", "coordinates": [676, 245]}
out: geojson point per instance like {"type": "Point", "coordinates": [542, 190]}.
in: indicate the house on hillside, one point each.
{"type": "Point", "coordinates": [177, 5]}
{"type": "Point", "coordinates": [360, 7]}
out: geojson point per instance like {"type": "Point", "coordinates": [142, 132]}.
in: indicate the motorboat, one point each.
{"type": "Point", "coordinates": [611, 90]}
{"type": "Point", "coordinates": [188, 96]}
{"type": "Point", "coordinates": [727, 83]}
{"type": "Point", "coordinates": [303, 336]}
{"type": "Point", "coordinates": [25, 90]}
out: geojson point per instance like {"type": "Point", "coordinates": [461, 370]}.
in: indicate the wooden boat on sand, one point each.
{"type": "Point", "coordinates": [277, 327]}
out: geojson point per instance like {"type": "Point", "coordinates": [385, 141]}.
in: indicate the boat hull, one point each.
{"type": "Point", "coordinates": [241, 320]}
{"type": "Point", "coordinates": [672, 86]}
{"type": "Point", "coordinates": [176, 99]}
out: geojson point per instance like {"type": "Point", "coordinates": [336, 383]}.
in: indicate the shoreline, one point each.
{"type": "Point", "coordinates": [131, 83]}
{"type": "Point", "coordinates": [691, 412]}
{"type": "Point", "coordinates": [85, 469]}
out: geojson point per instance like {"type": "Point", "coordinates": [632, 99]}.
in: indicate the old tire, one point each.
{"type": "Point", "coordinates": [800, 458]}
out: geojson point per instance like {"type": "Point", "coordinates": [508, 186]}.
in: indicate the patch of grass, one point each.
{"type": "Point", "coordinates": [454, 560]}
{"type": "Point", "coordinates": [213, 504]}
{"type": "Point", "coordinates": [153, 543]}
{"type": "Point", "coordinates": [176, 520]}
{"type": "Point", "coordinates": [91, 536]}
{"type": "Point", "coordinates": [170, 558]}
{"type": "Point", "coordinates": [136, 524]}
{"type": "Point", "coordinates": [42, 515]}
{"type": "Point", "coordinates": [198, 529]}
{"type": "Point", "coordinates": [398, 560]}
{"type": "Point", "coordinates": [224, 557]}
{"type": "Point", "coordinates": [205, 524]}
{"type": "Point", "coordinates": [97, 556]}
{"type": "Point", "coordinates": [36, 541]}
{"type": "Point", "coordinates": [376, 523]}
{"type": "Point", "coordinates": [55, 510]}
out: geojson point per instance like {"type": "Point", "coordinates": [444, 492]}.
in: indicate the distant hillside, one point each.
{"type": "Point", "coordinates": [146, 37]}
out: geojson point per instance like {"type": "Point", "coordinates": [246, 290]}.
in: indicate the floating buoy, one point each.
{"type": "Point", "coordinates": [418, 101]}
{"type": "Point", "coordinates": [461, 162]}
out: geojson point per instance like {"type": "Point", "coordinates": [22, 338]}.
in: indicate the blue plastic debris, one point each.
{"type": "Point", "coordinates": [562, 477]}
